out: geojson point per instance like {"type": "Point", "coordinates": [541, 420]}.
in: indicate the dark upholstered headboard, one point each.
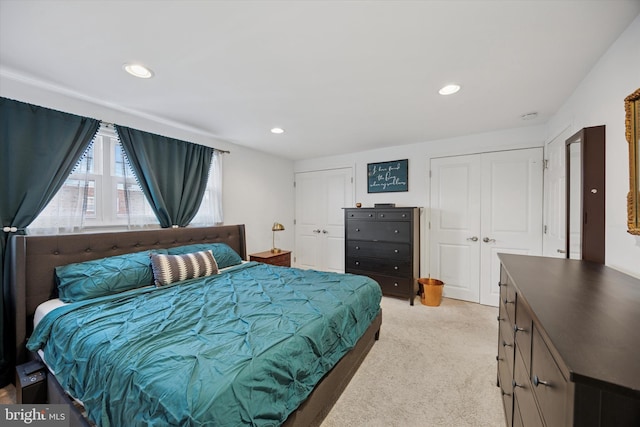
{"type": "Point", "coordinates": [35, 257]}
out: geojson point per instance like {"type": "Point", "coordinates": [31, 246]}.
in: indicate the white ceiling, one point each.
{"type": "Point", "coordinates": [338, 76]}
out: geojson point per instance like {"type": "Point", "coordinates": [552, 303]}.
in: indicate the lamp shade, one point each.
{"type": "Point", "coordinates": [277, 227]}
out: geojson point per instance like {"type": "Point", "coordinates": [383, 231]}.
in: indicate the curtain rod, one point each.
{"type": "Point", "coordinates": [112, 127]}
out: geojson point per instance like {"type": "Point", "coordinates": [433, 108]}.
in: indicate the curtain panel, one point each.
{"type": "Point", "coordinates": [39, 147]}
{"type": "Point", "coordinates": [173, 174]}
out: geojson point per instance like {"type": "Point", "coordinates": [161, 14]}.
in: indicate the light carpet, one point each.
{"type": "Point", "coordinates": [433, 366]}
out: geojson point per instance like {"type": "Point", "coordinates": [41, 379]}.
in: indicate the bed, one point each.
{"type": "Point", "coordinates": [316, 371]}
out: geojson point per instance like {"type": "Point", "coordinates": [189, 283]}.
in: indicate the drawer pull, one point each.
{"type": "Point", "coordinates": [396, 231]}
{"type": "Point", "coordinates": [396, 251]}
{"type": "Point", "coordinates": [505, 344]}
{"type": "Point", "coordinates": [537, 381]}
{"type": "Point", "coordinates": [507, 301]}
{"type": "Point", "coordinates": [357, 262]}
{"type": "Point", "coordinates": [502, 284]}
{"type": "Point", "coordinates": [357, 248]}
{"type": "Point", "coordinates": [381, 215]}
{"type": "Point", "coordinates": [498, 358]}
{"type": "Point", "coordinates": [516, 329]}
{"type": "Point", "coordinates": [370, 215]}
{"type": "Point", "coordinates": [515, 384]}
{"type": "Point", "coordinates": [395, 267]}
{"type": "Point", "coordinates": [357, 229]}
{"type": "Point", "coordinates": [395, 284]}
{"type": "Point", "coordinates": [500, 318]}
{"type": "Point", "coordinates": [504, 393]}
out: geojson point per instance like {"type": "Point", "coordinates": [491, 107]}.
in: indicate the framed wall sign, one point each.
{"type": "Point", "coordinates": [386, 177]}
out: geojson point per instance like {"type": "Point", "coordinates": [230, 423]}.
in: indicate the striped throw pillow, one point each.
{"type": "Point", "coordinates": [175, 268]}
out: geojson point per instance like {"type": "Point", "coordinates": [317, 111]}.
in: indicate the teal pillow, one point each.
{"type": "Point", "coordinates": [224, 255]}
{"type": "Point", "coordinates": [104, 276]}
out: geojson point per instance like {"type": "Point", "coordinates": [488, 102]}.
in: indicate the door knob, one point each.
{"type": "Point", "coordinates": [487, 240]}
{"type": "Point", "coordinates": [324, 231]}
{"type": "Point", "coordinates": [473, 239]}
{"type": "Point", "coordinates": [316, 231]}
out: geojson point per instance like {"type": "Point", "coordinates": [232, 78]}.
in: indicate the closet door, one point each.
{"type": "Point", "coordinates": [455, 225]}
{"type": "Point", "coordinates": [511, 212]}
{"type": "Point", "coordinates": [481, 205]}
{"type": "Point", "coordinates": [319, 222]}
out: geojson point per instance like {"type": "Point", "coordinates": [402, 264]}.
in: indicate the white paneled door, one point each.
{"type": "Point", "coordinates": [320, 199]}
{"type": "Point", "coordinates": [555, 203]}
{"type": "Point", "coordinates": [481, 205]}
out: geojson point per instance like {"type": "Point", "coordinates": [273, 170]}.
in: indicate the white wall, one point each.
{"type": "Point", "coordinates": [419, 156]}
{"type": "Point", "coordinates": [257, 187]}
{"type": "Point", "coordinates": [599, 100]}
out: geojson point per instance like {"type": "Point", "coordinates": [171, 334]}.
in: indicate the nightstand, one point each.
{"type": "Point", "coordinates": [282, 258]}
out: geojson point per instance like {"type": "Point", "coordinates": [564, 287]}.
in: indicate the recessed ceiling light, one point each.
{"type": "Point", "coordinates": [138, 70]}
{"type": "Point", "coordinates": [449, 89]}
{"type": "Point", "coordinates": [529, 116]}
{"type": "Point", "coordinates": [277, 130]}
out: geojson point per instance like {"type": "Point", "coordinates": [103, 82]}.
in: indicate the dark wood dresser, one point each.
{"type": "Point", "coordinates": [384, 244]}
{"type": "Point", "coordinates": [282, 258]}
{"type": "Point", "coordinates": [568, 343]}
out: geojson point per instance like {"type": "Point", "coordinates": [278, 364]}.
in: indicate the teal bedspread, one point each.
{"type": "Point", "coordinates": [244, 347]}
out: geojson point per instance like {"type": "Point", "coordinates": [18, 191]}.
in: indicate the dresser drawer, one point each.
{"type": "Point", "coordinates": [361, 214]}
{"type": "Point", "coordinates": [394, 285]}
{"type": "Point", "coordinates": [506, 388]}
{"type": "Point", "coordinates": [389, 267]}
{"type": "Point", "coordinates": [549, 385]}
{"type": "Point", "coordinates": [506, 345]}
{"type": "Point", "coordinates": [505, 378]}
{"type": "Point", "coordinates": [523, 395]}
{"type": "Point", "coordinates": [401, 251]}
{"type": "Point", "coordinates": [395, 215]}
{"type": "Point", "coordinates": [522, 331]}
{"type": "Point", "coordinates": [391, 231]}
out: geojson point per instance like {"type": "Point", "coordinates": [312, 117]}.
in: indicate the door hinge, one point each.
{"type": "Point", "coordinates": [294, 221]}
{"type": "Point", "coordinates": [545, 164]}
{"type": "Point", "coordinates": [544, 229]}
{"type": "Point", "coordinates": [429, 225]}
{"type": "Point", "coordinates": [352, 180]}
{"type": "Point", "coordinates": [294, 184]}
{"type": "Point", "coordinates": [429, 173]}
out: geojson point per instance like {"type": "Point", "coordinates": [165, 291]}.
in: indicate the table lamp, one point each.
{"type": "Point", "coordinates": [276, 227]}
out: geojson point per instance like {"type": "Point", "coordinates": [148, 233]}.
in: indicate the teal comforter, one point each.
{"type": "Point", "coordinates": [244, 347]}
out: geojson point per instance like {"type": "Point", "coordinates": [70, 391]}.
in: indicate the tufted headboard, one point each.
{"type": "Point", "coordinates": [35, 257]}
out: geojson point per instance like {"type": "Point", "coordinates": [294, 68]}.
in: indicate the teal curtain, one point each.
{"type": "Point", "coordinates": [39, 147]}
{"type": "Point", "coordinates": [172, 173]}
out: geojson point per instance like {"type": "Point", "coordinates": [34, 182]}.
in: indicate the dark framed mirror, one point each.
{"type": "Point", "coordinates": [585, 197]}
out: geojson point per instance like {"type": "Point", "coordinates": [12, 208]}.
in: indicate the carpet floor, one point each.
{"type": "Point", "coordinates": [433, 366]}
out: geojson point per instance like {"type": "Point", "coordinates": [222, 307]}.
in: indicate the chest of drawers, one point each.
{"type": "Point", "coordinates": [384, 244]}
{"type": "Point", "coordinates": [568, 343]}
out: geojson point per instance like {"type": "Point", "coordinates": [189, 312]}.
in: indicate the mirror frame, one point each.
{"type": "Point", "coordinates": [632, 125]}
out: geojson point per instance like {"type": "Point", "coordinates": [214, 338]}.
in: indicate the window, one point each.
{"type": "Point", "coordinates": [101, 192]}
